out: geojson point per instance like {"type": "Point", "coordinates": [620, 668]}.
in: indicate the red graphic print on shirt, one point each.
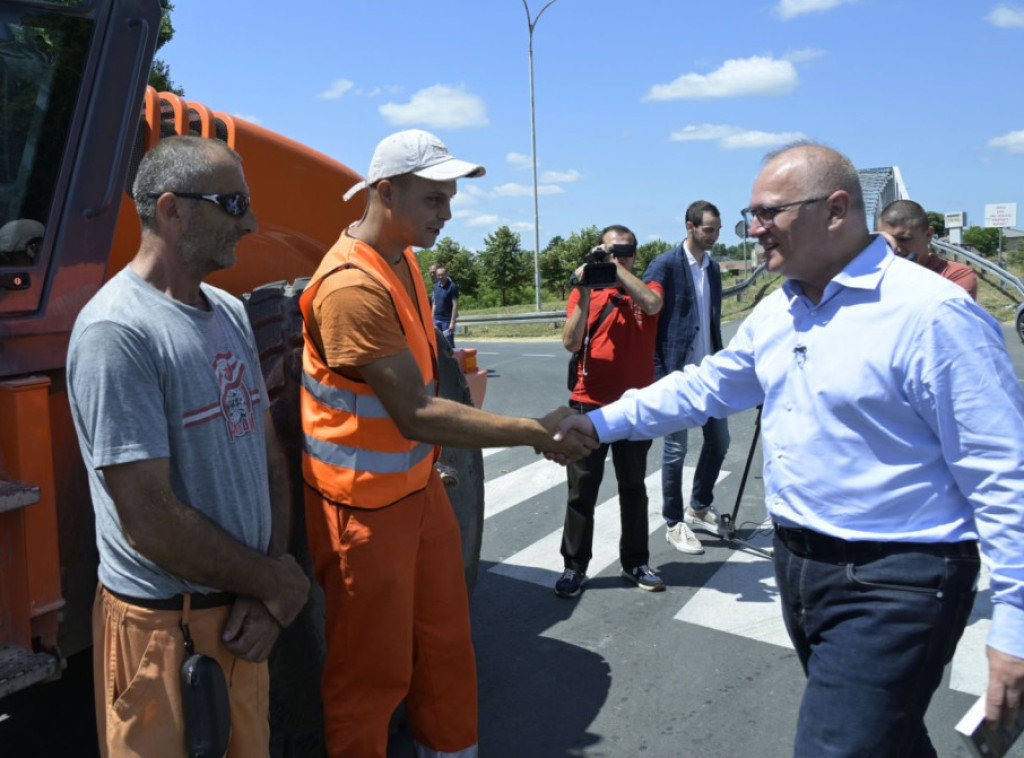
{"type": "Point", "coordinates": [235, 402]}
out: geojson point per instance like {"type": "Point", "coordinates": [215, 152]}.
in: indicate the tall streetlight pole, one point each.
{"type": "Point", "coordinates": [533, 141]}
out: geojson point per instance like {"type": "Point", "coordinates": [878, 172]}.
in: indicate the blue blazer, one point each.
{"type": "Point", "coordinates": [679, 322]}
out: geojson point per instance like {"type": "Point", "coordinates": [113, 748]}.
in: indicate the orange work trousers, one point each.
{"type": "Point", "coordinates": [137, 657]}
{"type": "Point", "coordinates": [397, 623]}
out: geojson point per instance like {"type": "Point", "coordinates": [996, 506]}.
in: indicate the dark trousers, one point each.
{"type": "Point", "coordinates": [584, 476]}
{"type": "Point", "coordinates": [709, 466]}
{"type": "Point", "coordinates": [874, 624]}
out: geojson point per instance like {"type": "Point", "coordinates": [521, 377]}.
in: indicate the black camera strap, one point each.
{"type": "Point", "coordinates": [613, 301]}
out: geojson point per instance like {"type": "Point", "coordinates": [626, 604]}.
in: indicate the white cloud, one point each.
{"type": "Point", "coordinates": [1011, 142]}
{"type": "Point", "coordinates": [754, 138]}
{"type": "Point", "coordinates": [703, 132]}
{"type": "Point", "coordinates": [473, 218]}
{"type": "Point", "coordinates": [248, 117]}
{"type": "Point", "coordinates": [526, 226]}
{"type": "Point", "coordinates": [734, 137]}
{"type": "Point", "coordinates": [1006, 16]}
{"type": "Point", "coordinates": [338, 88]}
{"type": "Point", "coordinates": [791, 8]}
{"type": "Point", "coordinates": [801, 56]}
{"type": "Point", "coordinates": [521, 190]}
{"type": "Point", "coordinates": [519, 160]}
{"type": "Point", "coordinates": [438, 106]}
{"type": "Point", "coordinates": [484, 219]}
{"type": "Point", "coordinates": [564, 177]}
{"type": "Point", "coordinates": [758, 75]}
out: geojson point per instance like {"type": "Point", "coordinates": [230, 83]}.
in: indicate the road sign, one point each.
{"type": "Point", "coordinates": [1001, 215]}
{"type": "Point", "coordinates": [741, 229]}
{"type": "Point", "coordinates": [956, 220]}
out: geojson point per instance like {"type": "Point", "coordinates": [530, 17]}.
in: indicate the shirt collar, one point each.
{"type": "Point", "coordinates": [692, 260]}
{"type": "Point", "coordinates": [864, 272]}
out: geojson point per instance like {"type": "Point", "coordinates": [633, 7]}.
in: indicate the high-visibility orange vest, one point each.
{"type": "Point", "coordinates": [353, 453]}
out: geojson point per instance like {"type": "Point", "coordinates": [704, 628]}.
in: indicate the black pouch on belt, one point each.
{"type": "Point", "coordinates": [204, 700]}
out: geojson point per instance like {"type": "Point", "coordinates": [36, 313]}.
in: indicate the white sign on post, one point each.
{"type": "Point", "coordinates": [1001, 215]}
{"type": "Point", "coordinates": [956, 220]}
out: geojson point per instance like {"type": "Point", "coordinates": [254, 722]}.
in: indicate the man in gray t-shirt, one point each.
{"type": "Point", "coordinates": [187, 479]}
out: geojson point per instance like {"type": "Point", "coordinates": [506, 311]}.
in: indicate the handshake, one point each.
{"type": "Point", "coordinates": [568, 436]}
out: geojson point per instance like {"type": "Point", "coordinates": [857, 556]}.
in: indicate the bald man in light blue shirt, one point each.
{"type": "Point", "coordinates": [893, 434]}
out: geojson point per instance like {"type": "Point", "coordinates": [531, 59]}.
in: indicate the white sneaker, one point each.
{"type": "Point", "coordinates": [705, 519]}
{"type": "Point", "coordinates": [683, 539]}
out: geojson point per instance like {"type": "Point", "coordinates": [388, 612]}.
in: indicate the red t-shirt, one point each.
{"type": "Point", "coordinates": [958, 273]}
{"type": "Point", "coordinates": [621, 352]}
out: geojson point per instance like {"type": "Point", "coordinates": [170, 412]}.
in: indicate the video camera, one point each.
{"type": "Point", "coordinates": [598, 271]}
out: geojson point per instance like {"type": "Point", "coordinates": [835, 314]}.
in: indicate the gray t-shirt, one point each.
{"type": "Point", "coordinates": [150, 377]}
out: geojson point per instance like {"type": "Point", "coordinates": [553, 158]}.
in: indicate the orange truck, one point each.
{"type": "Point", "coordinates": [75, 118]}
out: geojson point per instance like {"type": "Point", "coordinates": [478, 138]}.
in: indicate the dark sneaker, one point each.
{"type": "Point", "coordinates": [570, 584]}
{"type": "Point", "coordinates": [644, 578]}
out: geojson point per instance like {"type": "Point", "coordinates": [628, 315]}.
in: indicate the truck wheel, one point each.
{"type": "Point", "coordinates": [298, 658]}
{"type": "Point", "coordinates": [1020, 324]}
{"type": "Point", "coordinates": [297, 661]}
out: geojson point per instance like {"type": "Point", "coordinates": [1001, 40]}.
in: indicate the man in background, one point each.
{"type": "Point", "coordinates": [614, 328]}
{"type": "Point", "coordinates": [690, 329]}
{"type": "Point", "coordinates": [907, 223]}
{"type": "Point", "coordinates": [446, 304]}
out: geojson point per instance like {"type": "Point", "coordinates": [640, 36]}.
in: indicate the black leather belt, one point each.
{"type": "Point", "coordinates": [807, 543]}
{"type": "Point", "coordinates": [177, 602]}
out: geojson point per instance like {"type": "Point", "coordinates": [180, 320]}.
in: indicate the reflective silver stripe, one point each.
{"type": "Point", "coordinates": [370, 461]}
{"type": "Point", "coordinates": [364, 406]}
{"type": "Point", "coordinates": [425, 752]}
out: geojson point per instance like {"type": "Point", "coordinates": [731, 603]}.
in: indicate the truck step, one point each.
{"type": "Point", "coordinates": [14, 495]}
{"type": "Point", "coordinates": [21, 668]}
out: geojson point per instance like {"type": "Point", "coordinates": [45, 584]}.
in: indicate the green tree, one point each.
{"type": "Point", "coordinates": [563, 256]}
{"type": "Point", "coordinates": [983, 239]}
{"type": "Point", "coordinates": [160, 72]}
{"type": "Point", "coordinates": [937, 221]}
{"type": "Point", "coordinates": [647, 252]}
{"type": "Point", "coordinates": [505, 268]}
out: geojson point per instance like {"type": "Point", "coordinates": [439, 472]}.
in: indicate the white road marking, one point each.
{"type": "Point", "coordinates": [541, 563]}
{"type": "Point", "coordinates": [970, 664]}
{"type": "Point", "coordinates": [516, 486]}
{"type": "Point", "coordinates": [538, 355]}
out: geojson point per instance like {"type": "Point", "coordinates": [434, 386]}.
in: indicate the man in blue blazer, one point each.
{"type": "Point", "coordinates": [690, 328]}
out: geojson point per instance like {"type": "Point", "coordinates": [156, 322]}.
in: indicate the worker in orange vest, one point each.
{"type": "Point", "coordinates": [383, 537]}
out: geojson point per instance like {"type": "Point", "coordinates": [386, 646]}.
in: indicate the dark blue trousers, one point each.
{"type": "Point", "coordinates": [874, 625]}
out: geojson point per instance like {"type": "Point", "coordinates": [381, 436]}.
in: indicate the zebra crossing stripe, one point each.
{"type": "Point", "coordinates": [511, 489]}
{"type": "Point", "coordinates": [541, 563]}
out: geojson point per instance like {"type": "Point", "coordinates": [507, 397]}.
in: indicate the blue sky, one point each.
{"type": "Point", "coordinates": [642, 106]}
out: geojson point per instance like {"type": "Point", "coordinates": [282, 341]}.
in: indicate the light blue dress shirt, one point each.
{"type": "Point", "coordinates": [891, 412]}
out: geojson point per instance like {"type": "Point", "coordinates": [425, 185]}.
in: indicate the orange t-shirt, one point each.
{"type": "Point", "coordinates": [357, 321]}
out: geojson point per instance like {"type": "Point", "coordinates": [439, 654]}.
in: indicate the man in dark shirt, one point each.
{"type": "Point", "coordinates": [446, 304]}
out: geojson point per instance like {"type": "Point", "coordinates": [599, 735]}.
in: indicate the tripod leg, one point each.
{"type": "Point", "coordinates": [730, 526]}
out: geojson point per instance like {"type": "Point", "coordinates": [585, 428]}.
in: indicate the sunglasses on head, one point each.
{"type": "Point", "coordinates": [232, 203]}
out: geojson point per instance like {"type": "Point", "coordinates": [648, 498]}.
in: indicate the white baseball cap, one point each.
{"type": "Point", "coordinates": [414, 151]}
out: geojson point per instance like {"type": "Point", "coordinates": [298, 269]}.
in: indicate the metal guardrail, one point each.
{"type": "Point", "coordinates": [555, 317]}
{"type": "Point", "coordinates": [960, 254]}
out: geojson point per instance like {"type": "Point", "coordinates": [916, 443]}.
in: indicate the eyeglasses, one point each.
{"type": "Point", "coordinates": [766, 213]}
{"type": "Point", "coordinates": [232, 203]}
